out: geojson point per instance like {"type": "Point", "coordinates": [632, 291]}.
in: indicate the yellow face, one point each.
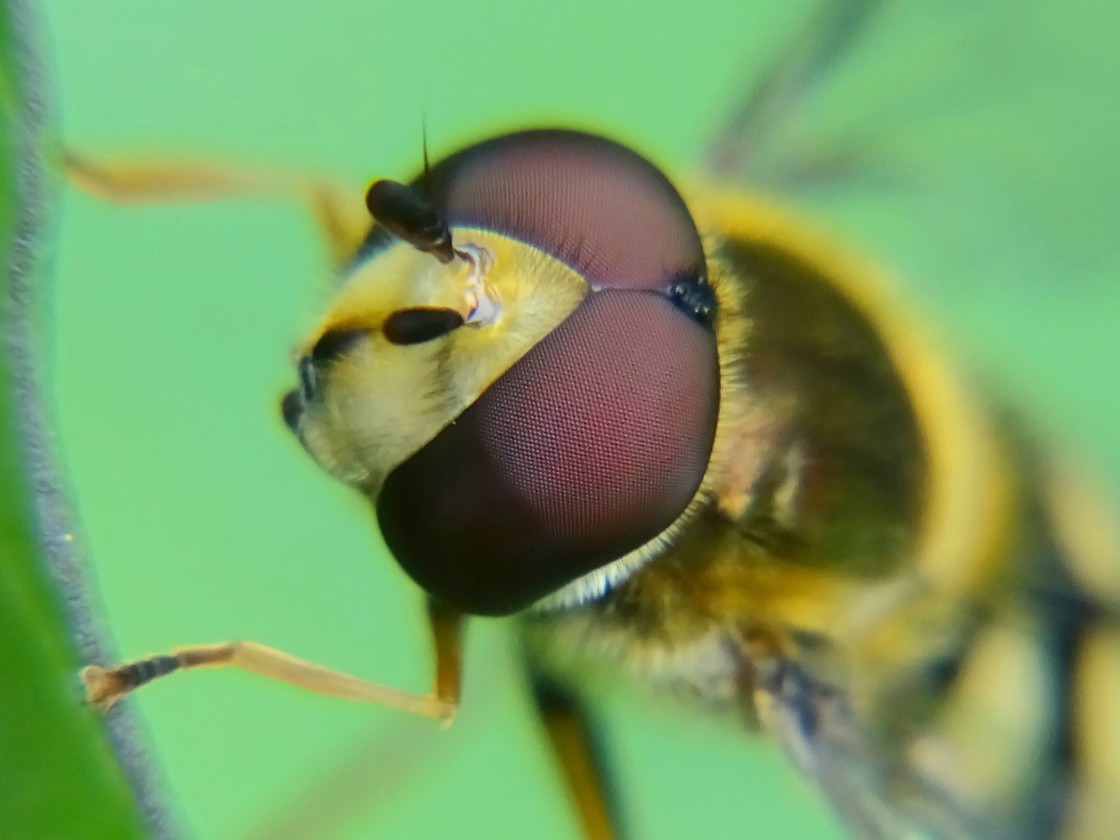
{"type": "Point", "coordinates": [363, 411]}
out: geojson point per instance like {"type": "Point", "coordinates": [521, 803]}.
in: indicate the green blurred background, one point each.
{"type": "Point", "coordinates": [993, 200]}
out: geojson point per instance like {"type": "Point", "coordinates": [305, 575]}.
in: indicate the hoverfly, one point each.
{"type": "Point", "coordinates": [677, 434]}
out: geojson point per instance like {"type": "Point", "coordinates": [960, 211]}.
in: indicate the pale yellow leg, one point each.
{"type": "Point", "coordinates": [104, 686]}
{"type": "Point", "coordinates": [340, 213]}
{"type": "Point", "coordinates": [329, 803]}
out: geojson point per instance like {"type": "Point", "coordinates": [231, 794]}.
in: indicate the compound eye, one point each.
{"type": "Point", "coordinates": [587, 448]}
{"type": "Point", "coordinates": [423, 323]}
{"type": "Point", "coordinates": [593, 204]}
{"type": "Point", "coordinates": [596, 440]}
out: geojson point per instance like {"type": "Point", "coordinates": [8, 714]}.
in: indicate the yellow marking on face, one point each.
{"type": "Point", "coordinates": [381, 402]}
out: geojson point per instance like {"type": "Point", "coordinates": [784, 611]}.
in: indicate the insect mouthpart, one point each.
{"type": "Point", "coordinates": [291, 409]}
{"type": "Point", "coordinates": [308, 379]}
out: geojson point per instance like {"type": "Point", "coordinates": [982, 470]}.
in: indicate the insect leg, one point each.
{"type": "Point", "coordinates": [104, 686]}
{"type": "Point", "coordinates": [340, 213]}
{"type": "Point", "coordinates": [578, 749]}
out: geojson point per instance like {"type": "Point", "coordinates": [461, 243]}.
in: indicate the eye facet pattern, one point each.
{"type": "Point", "coordinates": [598, 439]}
{"type": "Point", "coordinates": [588, 447]}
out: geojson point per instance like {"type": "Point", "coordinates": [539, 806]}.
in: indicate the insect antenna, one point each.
{"type": "Point", "coordinates": [425, 187]}
{"type": "Point", "coordinates": [407, 215]}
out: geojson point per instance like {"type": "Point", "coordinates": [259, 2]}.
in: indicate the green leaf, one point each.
{"type": "Point", "coordinates": [66, 771]}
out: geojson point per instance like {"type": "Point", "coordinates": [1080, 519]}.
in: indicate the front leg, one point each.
{"type": "Point", "coordinates": [105, 686]}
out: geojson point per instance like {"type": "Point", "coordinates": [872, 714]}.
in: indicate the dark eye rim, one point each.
{"type": "Point", "coordinates": [420, 324]}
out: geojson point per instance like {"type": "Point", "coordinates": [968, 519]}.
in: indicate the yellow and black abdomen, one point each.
{"type": "Point", "coordinates": [1025, 729]}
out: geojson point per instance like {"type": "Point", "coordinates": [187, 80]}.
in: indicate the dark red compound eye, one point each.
{"type": "Point", "coordinates": [598, 438]}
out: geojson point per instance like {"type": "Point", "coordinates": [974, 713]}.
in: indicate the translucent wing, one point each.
{"type": "Point", "coordinates": [757, 118]}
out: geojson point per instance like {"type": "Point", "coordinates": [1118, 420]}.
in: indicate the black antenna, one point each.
{"type": "Point", "coordinates": [424, 182]}
{"type": "Point", "coordinates": [404, 213]}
